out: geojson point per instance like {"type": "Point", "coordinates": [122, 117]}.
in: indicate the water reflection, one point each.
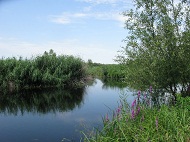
{"type": "Point", "coordinates": [156, 98]}
{"type": "Point", "coordinates": [54, 115]}
{"type": "Point", "coordinates": [160, 97]}
{"type": "Point", "coordinates": [41, 101]}
{"type": "Point", "coordinates": [112, 84]}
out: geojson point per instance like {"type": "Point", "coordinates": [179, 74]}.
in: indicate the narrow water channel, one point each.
{"type": "Point", "coordinates": [56, 115]}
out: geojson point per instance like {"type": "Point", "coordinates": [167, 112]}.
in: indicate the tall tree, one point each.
{"type": "Point", "coordinates": [157, 51]}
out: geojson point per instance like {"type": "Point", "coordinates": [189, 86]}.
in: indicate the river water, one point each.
{"type": "Point", "coordinates": [57, 115]}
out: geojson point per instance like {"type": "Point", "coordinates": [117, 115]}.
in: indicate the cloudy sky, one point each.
{"type": "Point", "coordinates": [90, 29]}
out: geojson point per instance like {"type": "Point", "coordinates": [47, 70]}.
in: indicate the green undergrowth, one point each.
{"type": "Point", "coordinates": [108, 71]}
{"type": "Point", "coordinates": [141, 122]}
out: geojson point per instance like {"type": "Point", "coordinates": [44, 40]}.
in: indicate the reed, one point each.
{"type": "Point", "coordinates": [47, 70]}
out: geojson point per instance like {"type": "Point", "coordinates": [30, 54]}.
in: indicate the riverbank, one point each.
{"type": "Point", "coordinates": [141, 122]}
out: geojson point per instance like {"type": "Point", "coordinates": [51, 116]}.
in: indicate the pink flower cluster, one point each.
{"type": "Point", "coordinates": [135, 110]}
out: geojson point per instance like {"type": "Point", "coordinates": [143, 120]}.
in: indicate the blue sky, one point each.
{"type": "Point", "coordinates": [90, 29]}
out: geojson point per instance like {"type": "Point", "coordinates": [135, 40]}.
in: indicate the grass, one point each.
{"type": "Point", "coordinates": [47, 70]}
{"type": "Point", "coordinates": [141, 122]}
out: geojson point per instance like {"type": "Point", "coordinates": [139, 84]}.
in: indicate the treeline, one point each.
{"type": "Point", "coordinates": [106, 71]}
{"type": "Point", "coordinates": [47, 70]}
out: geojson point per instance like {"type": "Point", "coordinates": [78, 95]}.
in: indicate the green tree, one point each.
{"type": "Point", "coordinates": [157, 46]}
{"type": "Point", "coordinates": [89, 62]}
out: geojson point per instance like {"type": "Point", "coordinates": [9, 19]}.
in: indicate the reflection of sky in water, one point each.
{"type": "Point", "coordinates": [53, 127]}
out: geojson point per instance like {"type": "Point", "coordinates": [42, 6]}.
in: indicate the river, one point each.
{"type": "Point", "coordinates": [57, 115]}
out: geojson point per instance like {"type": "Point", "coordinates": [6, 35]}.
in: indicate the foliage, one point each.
{"type": "Point", "coordinates": [95, 69]}
{"type": "Point", "coordinates": [157, 50]}
{"type": "Point", "coordinates": [142, 122]}
{"type": "Point", "coordinates": [48, 70]}
{"type": "Point", "coordinates": [108, 71]}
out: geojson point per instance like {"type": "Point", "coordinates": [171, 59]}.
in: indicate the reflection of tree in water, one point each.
{"type": "Point", "coordinates": [156, 98]}
{"type": "Point", "coordinates": [112, 83]}
{"type": "Point", "coordinates": [160, 96]}
{"type": "Point", "coordinates": [41, 101]}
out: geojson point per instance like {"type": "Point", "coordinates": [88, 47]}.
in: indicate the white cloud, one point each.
{"type": "Point", "coordinates": [96, 52]}
{"type": "Point", "coordinates": [120, 17]}
{"type": "Point", "coordinates": [115, 16]}
{"type": "Point", "coordinates": [102, 1]}
{"type": "Point", "coordinates": [92, 11]}
{"type": "Point", "coordinates": [67, 18]}
{"type": "Point", "coordinates": [87, 9]}
{"type": "Point", "coordinates": [79, 15]}
{"type": "Point", "coordinates": [60, 20]}
{"type": "Point", "coordinates": [14, 48]}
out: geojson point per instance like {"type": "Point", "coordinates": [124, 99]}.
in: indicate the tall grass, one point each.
{"type": "Point", "coordinates": [48, 70]}
{"type": "Point", "coordinates": [108, 71]}
{"type": "Point", "coordinates": [140, 122]}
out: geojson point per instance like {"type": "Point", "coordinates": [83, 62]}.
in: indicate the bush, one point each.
{"type": "Point", "coordinates": [47, 70]}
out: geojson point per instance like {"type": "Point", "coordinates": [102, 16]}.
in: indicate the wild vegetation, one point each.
{"type": "Point", "coordinates": [48, 70]}
{"type": "Point", "coordinates": [156, 54]}
{"type": "Point", "coordinates": [157, 47]}
{"type": "Point", "coordinates": [106, 71]}
{"type": "Point", "coordinates": [143, 122]}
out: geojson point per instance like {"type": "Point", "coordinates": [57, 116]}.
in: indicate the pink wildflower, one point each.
{"type": "Point", "coordinates": [138, 110]}
{"type": "Point", "coordinates": [150, 89]}
{"type": "Point", "coordinates": [118, 110]}
{"type": "Point", "coordinates": [133, 114]}
{"type": "Point", "coordinates": [145, 96]}
{"type": "Point", "coordinates": [134, 103]}
{"type": "Point", "coordinates": [139, 93]}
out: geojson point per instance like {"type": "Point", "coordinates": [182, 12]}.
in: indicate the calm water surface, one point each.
{"type": "Point", "coordinates": [56, 115]}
